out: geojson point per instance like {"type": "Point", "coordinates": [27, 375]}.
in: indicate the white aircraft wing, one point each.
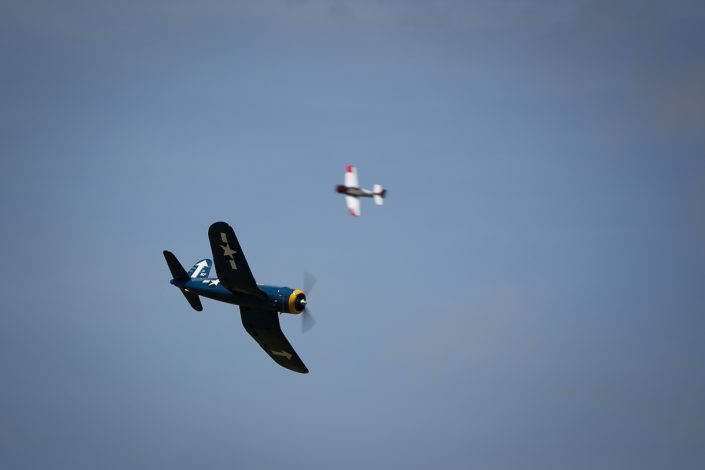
{"type": "Point", "coordinates": [351, 177]}
{"type": "Point", "coordinates": [353, 205]}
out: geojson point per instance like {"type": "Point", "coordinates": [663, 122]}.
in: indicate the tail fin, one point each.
{"type": "Point", "coordinates": [201, 269]}
{"type": "Point", "coordinates": [179, 273]}
{"type": "Point", "coordinates": [379, 193]}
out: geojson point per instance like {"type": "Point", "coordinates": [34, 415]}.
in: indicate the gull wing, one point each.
{"type": "Point", "coordinates": [351, 177]}
{"type": "Point", "coordinates": [353, 204]}
{"type": "Point", "coordinates": [230, 263]}
{"type": "Point", "coordinates": [263, 326]}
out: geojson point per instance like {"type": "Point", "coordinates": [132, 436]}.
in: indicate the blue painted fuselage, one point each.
{"type": "Point", "coordinates": [279, 298]}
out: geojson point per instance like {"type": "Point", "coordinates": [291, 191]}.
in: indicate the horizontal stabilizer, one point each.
{"type": "Point", "coordinates": [177, 271]}
{"type": "Point", "coordinates": [193, 299]}
{"type": "Point", "coordinates": [378, 194]}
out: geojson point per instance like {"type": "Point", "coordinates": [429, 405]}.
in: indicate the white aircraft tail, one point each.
{"type": "Point", "coordinates": [379, 193]}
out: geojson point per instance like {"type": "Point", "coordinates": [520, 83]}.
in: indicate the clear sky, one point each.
{"type": "Point", "coordinates": [530, 296]}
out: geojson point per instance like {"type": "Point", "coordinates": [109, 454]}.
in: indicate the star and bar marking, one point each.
{"type": "Point", "coordinates": [227, 251]}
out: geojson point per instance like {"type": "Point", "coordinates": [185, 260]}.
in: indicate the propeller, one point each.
{"type": "Point", "coordinates": [309, 282]}
{"type": "Point", "coordinates": [307, 320]}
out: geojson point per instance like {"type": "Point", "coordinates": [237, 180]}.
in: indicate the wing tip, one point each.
{"type": "Point", "coordinates": [217, 226]}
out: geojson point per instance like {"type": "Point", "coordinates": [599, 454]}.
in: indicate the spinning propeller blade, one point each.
{"type": "Point", "coordinates": [307, 320]}
{"type": "Point", "coordinates": [309, 282]}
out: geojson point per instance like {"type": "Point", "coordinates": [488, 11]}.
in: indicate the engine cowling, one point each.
{"type": "Point", "coordinates": [285, 299]}
{"type": "Point", "coordinates": [296, 303]}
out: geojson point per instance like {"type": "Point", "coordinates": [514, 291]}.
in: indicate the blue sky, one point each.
{"type": "Point", "coordinates": [531, 294]}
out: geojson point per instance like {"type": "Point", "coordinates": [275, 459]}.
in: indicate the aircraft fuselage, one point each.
{"type": "Point", "coordinates": [280, 298]}
{"type": "Point", "coordinates": [352, 191]}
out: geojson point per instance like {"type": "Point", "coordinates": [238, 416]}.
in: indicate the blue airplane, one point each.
{"type": "Point", "coordinates": [260, 305]}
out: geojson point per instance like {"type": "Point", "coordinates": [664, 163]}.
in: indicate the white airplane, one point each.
{"type": "Point", "coordinates": [353, 191]}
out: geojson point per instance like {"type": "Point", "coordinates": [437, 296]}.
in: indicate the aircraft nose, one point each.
{"type": "Point", "coordinates": [300, 302]}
